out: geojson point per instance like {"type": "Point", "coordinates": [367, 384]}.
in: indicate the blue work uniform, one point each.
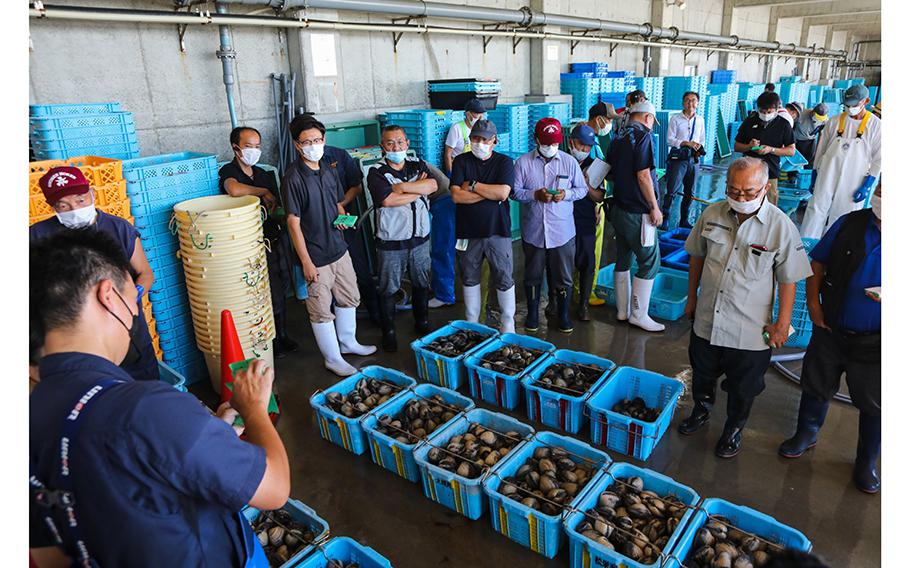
{"type": "Point", "coordinates": [124, 234]}
{"type": "Point", "coordinates": [158, 481]}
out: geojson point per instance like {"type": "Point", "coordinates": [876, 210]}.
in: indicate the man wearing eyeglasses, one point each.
{"type": "Point", "coordinates": [739, 249]}
{"type": "Point", "coordinates": [400, 188]}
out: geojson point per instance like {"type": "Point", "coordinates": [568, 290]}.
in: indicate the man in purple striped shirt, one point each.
{"type": "Point", "coordinates": [547, 181]}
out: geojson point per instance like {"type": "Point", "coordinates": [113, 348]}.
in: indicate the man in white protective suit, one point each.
{"type": "Point", "coordinates": [848, 158]}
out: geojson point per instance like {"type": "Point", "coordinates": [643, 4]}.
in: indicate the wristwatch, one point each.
{"type": "Point", "coordinates": [471, 187]}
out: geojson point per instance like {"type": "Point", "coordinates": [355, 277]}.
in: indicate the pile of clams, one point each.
{"type": "Point", "coordinates": [419, 418]}
{"type": "Point", "coordinates": [471, 454]}
{"type": "Point", "coordinates": [718, 544]}
{"type": "Point", "coordinates": [569, 379]}
{"type": "Point", "coordinates": [458, 343]}
{"type": "Point", "coordinates": [510, 359]}
{"type": "Point", "coordinates": [367, 395]}
{"type": "Point", "coordinates": [548, 481]}
{"type": "Point", "coordinates": [636, 408]}
{"type": "Point", "coordinates": [281, 536]}
{"type": "Point", "coordinates": [634, 522]}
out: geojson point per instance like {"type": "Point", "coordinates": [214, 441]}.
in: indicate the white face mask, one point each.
{"type": "Point", "coordinates": [396, 157]}
{"type": "Point", "coordinates": [481, 150]}
{"type": "Point", "coordinates": [548, 151]}
{"type": "Point", "coordinates": [250, 156]}
{"type": "Point", "coordinates": [746, 207]}
{"type": "Point", "coordinates": [477, 117]}
{"type": "Point", "coordinates": [767, 117]}
{"type": "Point", "coordinates": [78, 218]}
{"type": "Point", "coordinates": [876, 203]}
{"type": "Point", "coordinates": [855, 110]}
{"type": "Point", "coordinates": [578, 154]}
{"type": "Point", "coordinates": [605, 130]}
{"type": "Point", "coordinates": [314, 153]}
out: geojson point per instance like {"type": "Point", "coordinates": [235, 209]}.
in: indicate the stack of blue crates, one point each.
{"type": "Point", "coordinates": [512, 120]}
{"type": "Point", "coordinates": [615, 98]}
{"type": "Point", "coordinates": [790, 79]}
{"type": "Point", "coordinates": [627, 77]}
{"type": "Point", "coordinates": [537, 111]}
{"type": "Point", "coordinates": [585, 92]}
{"type": "Point", "coordinates": [794, 93]}
{"type": "Point", "coordinates": [653, 88]}
{"type": "Point", "coordinates": [728, 93]}
{"type": "Point", "coordinates": [712, 113]}
{"type": "Point", "coordinates": [676, 87]}
{"type": "Point", "coordinates": [58, 132]}
{"type": "Point", "coordinates": [723, 76]}
{"type": "Point", "coordinates": [154, 185]}
{"type": "Point", "coordinates": [595, 68]}
{"type": "Point", "coordinates": [426, 129]}
{"type": "Point", "coordinates": [847, 83]}
{"type": "Point", "coordinates": [661, 149]}
{"type": "Point", "coordinates": [750, 92]}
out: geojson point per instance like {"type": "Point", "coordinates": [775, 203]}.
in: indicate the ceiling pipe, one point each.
{"type": "Point", "coordinates": [206, 18]}
{"type": "Point", "coordinates": [523, 17]}
{"type": "Point", "coordinates": [227, 55]}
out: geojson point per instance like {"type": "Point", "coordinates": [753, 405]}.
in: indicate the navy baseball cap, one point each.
{"type": "Point", "coordinates": [474, 105]}
{"type": "Point", "coordinates": [584, 134]}
{"type": "Point", "coordinates": [855, 94]}
{"type": "Point", "coordinates": [484, 129]}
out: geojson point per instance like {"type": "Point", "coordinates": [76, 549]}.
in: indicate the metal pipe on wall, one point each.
{"type": "Point", "coordinates": [227, 54]}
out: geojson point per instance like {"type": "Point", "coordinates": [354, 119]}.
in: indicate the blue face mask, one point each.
{"type": "Point", "coordinates": [396, 157]}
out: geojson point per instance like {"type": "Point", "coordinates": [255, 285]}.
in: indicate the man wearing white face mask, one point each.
{"type": "Point", "coordinates": [848, 158]}
{"type": "Point", "coordinates": [313, 195]}
{"type": "Point", "coordinates": [458, 139]}
{"type": "Point", "coordinates": [242, 176]}
{"type": "Point", "coordinates": [68, 192]}
{"type": "Point", "coordinates": [739, 249]}
{"type": "Point", "coordinates": [807, 124]}
{"type": "Point", "coordinates": [768, 136]}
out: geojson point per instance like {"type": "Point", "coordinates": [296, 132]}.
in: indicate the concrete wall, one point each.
{"type": "Point", "coordinates": [179, 102]}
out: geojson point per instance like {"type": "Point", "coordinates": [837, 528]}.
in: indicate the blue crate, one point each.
{"type": "Point", "coordinates": [622, 433]}
{"type": "Point", "coordinates": [393, 455]}
{"type": "Point", "coordinates": [743, 518]}
{"type": "Point", "coordinates": [789, 198]}
{"type": "Point", "coordinates": [193, 368]}
{"type": "Point", "coordinates": [303, 515]}
{"type": "Point", "coordinates": [462, 495]}
{"type": "Point", "coordinates": [73, 145]}
{"type": "Point", "coordinates": [168, 281]}
{"type": "Point", "coordinates": [167, 166]}
{"type": "Point", "coordinates": [426, 116]}
{"type": "Point", "coordinates": [72, 108]}
{"type": "Point", "coordinates": [176, 338]}
{"type": "Point", "coordinates": [499, 388]}
{"type": "Point", "coordinates": [575, 75]}
{"type": "Point", "coordinates": [584, 552]}
{"type": "Point", "coordinates": [163, 300]}
{"type": "Point", "coordinates": [171, 319]}
{"type": "Point", "coordinates": [445, 371]}
{"type": "Point", "coordinates": [669, 293]}
{"type": "Point", "coordinates": [348, 432]}
{"type": "Point", "coordinates": [678, 260]}
{"type": "Point", "coordinates": [346, 550]}
{"type": "Point", "coordinates": [171, 377]}
{"type": "Point", "coordinates": [800, 320]}
{"type": "Point", "coordinates": [562, 410]}
{"type": "Point", "coordinates": [672, 238]}
{"type": "Point", "coordinates": [188, 352]}
{"type": "Point", "coordinates": [119, 151]}
{"type": "Point", "coordinates": [533, 529]}
{"type": "Point", "coordinates": [82, 126]}
{"type": "Point", "coordinates": [171, 191]}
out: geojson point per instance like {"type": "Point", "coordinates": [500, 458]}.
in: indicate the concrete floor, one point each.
{"type": "Point", "coordinates": [359, 499]}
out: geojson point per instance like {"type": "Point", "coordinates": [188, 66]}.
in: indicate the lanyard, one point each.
{"type": "Point", "coordinates": [692, 131]}
{"type": "Point", "coordinates": [64, 499]}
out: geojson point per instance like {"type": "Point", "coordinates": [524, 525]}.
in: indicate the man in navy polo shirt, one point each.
{"type": "Point", "coordinates": [149, 476]}
{"type": "Point", "coordinates": [844, 300]}
{"type": "Point", "coordinates": [73, 200]}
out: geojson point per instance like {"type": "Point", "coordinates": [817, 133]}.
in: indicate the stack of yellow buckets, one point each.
{"type": "Point", "coordinates": [224, 261]}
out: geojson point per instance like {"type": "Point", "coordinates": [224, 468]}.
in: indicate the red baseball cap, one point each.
{"type": "Point", "coordinates": [548, 131]}
{"type": "Point", "coordinates": [62, 181]}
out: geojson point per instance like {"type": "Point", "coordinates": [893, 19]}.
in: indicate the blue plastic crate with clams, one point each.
{"type": "Point", "coordinates": [303, 515]}
{"type": "Point", "coordinates": [345, 550]}
{"type": "Point", "coordinates": [439, 369]}
{"type": "Point", "coordinates": [502, 388]}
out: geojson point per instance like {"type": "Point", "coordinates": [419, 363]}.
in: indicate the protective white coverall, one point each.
{"type": "Point", "coordinates": [843, 160]}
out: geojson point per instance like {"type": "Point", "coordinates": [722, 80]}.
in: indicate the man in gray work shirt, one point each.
{"type": "Point", "coordinates": [739, 249]}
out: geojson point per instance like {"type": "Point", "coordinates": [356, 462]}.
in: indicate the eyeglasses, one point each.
{"type": "Point", "coordinates": [749, 194]}
{"type": "Point", "coordinates": [306, 143]}
{"type": "Point", "coordinates": [397, 143]}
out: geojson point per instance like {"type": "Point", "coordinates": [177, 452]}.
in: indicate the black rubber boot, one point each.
{"type": "Point", "coordinates": [585, 285]}
{"type": "Point", "coordinates": [387, 323]}
{"type": "Point", "coordinates": [369, 299]}
{"type": "Point", "coordinates": [283, 343]}
{"type": "Point", "coordinates": [684, 212]}
{"type": "Point", "coordinates": [550, 310]}
{"type": "Point", "coordinates": [812, 413]}
{"type": "Point", "coordinates": [730, 441]}
{"type": "Point", "coordinates": [532, 296]}
{"type": "Point", "coordinates": [563, 305]}
{"type": "Point", "coordinates": [868, 448]}
{"type": "Point", "coordinates": [420, 298]}
{"type": "Point", "coordinates": [701, 413]}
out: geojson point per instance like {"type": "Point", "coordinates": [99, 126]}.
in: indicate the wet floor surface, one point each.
{"type": "Point", "coordinates": [813, 494]}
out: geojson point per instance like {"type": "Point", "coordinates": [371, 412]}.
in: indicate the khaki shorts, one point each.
{"type": "Point", "coordinates": [336, 280]}
{"type": "Point", "coordinates": [772, 191]}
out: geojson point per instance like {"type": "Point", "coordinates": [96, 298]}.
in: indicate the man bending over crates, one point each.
{"type": "Point", "coordinates": [739, 249]}
{"type": "Point", "coordinates": [400, 188]}
{"type": "Point", "coordinates": [313, 196]}
{"type": "Point", "coordinates": [68, 192]}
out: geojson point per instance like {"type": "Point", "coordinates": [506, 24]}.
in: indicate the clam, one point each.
{"type": "Point", "coordinates": [469, 455]}
{"type": "Point", "coordinates": [569, 378]}
{"type": "Point", "coordinates": [510, 359]}
{"type": "Point", "coordinates": [417, 419]}
{"type": "Point", "coordinates": [280, 535]}
{"type": "Point", "coordinates": [539, 478]}
{"type": "Point", "coordinates": [718, 544]}
{"type": "Point", "coordinates": [637, 408]}
{"type": "Point", "coordinates": [365, 396]}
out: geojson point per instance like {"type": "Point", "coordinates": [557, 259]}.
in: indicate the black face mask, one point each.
{"type": "Point", "coordinates": [133, 354]}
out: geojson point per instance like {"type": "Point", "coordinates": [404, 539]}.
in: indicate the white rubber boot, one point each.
{"type": "Point", "coordinates": [641, 299]}
{"type": "Point", "coordinates": [507, 307]}
{"type": "Point", "coordinates": [346, 327]}
{"type": "Point", "coordinates": [472, 303]}
{"type": "Point", "coordinates": [621, 284]}
{"type": "Point", "coordinates": [328, 346]}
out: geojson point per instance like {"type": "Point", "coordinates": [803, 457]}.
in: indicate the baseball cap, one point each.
{"type": "Point", "coordinates": [603, 109]}
{"type": "Point", "coordinates": [795, 106]}
{"type": "Point", "coordinates": [645, 106]}
{"type": "Point", "coordinates": [61, 181]}
{"type": "Point", "coordinates": [474, 105]}
{"type": "Point", "coordinates": [821, 111]}
{"type": "Point", "coordinates": [484, 129]}
{"type": "Point", "coordinates": [584, 134]}
{"type": "Point", "coordinates": [548, 131]}
{"type": "Point", "coordinates": [855, 94]}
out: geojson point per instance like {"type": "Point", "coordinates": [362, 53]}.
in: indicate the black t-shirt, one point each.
{"type": "Point", "coordinates": [485, 218]}
{"type": "Point", "coordinates": [631, 152]}
{"type": "Point", "coordinates": [261, 177]}
{"type": "Point", "coordinates": [777, 133]}
{"type": "Point", "coordinates": [585, 214]}
{"type": "Point", "coordinates": [313, 196]}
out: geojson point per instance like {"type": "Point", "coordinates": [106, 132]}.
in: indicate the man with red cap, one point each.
{"type": "Point", "coordinates": [547, 181]}
{"type": "Point", "coordinates": [69, 193]}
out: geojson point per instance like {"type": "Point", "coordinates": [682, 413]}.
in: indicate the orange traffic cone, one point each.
{"type": "Point", "coordinates": [231, 352]}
